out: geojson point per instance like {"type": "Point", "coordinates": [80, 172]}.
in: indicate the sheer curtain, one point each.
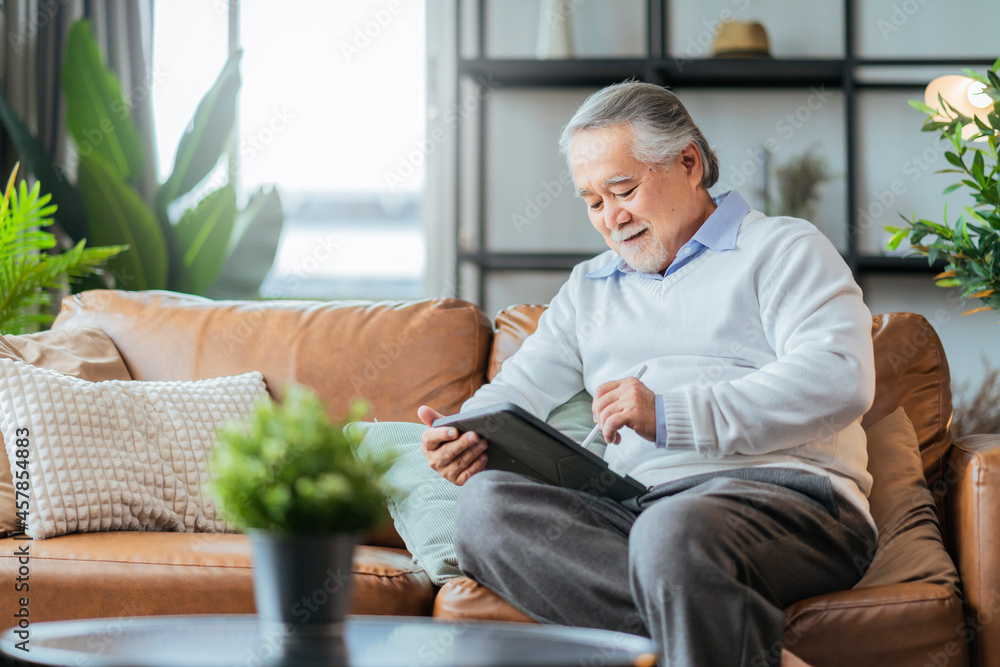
{"type": "Point", "coordinates": [31, 58]}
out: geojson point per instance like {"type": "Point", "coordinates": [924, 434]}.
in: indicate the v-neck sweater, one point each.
{"type": "Point", "coordinates": [758, 356]}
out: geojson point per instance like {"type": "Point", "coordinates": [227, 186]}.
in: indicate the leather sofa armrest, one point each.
{"type": "Point", "coordinates": [973, 507]}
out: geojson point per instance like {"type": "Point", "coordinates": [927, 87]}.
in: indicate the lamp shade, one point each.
{"type": "Point", "coordinates": [962, 93]}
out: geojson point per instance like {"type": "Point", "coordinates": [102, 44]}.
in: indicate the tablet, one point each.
{"type": "Point", "coordinates": [520, 442]}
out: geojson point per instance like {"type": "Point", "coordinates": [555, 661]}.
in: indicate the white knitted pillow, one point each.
{"type": "Point", "coordinates": [116, 455]}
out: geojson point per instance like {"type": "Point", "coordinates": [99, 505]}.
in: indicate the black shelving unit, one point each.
{"type": "Point", "coordinates": [659, 68]}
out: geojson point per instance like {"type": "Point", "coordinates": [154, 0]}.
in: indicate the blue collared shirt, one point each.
{"type": "Point", "coordinates": [718, 232]}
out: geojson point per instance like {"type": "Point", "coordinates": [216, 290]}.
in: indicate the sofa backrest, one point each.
{"type": "Point", "coordinates": [910, 371]}
{"type": "Point", "coordinates": [397, 355]}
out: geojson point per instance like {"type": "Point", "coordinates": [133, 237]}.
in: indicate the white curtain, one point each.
{"type": "Point", "coordinates": [34, 39]}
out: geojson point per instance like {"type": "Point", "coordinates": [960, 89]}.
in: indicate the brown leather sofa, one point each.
{"type": "Point", "coordinates": [403, 354]}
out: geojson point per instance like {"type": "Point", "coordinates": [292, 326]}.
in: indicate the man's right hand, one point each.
{"type": "Point", "coordinates": [454, 458]}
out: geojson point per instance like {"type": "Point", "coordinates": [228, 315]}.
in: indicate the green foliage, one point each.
{"type": "Point", "coordinates": [96, 112]}
{"type": "Point", "coordinates": [186, 254]}
{"type": "Point", "coordinates": [969, 244]}
{"type": "Point", "coordinates": [125, 218]}
{"type": "Point", "coordinates": [27, 271]}
{"type": "Point", "coordinates": [288, 469]}
{"type": "Point", "coordinates": [204, 232]}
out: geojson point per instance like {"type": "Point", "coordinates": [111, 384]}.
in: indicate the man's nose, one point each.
{"type": "Point", "coordinates": [615, 215]}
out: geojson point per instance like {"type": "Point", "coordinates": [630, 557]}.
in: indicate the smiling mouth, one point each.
{"type": "Point", "coordinates": [634, 238]}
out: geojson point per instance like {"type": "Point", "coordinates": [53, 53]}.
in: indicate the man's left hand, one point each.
{"type": "Point", "coordinates": [626, 402]}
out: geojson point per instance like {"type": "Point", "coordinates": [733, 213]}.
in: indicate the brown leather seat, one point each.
{"type": "Point", "coordinates": [92, 575]}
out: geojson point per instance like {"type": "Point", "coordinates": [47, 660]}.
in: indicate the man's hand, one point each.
{"type": "Point", "coordinates": [454, 458]}
{"type": "Point", "coordinates": [626, 402]}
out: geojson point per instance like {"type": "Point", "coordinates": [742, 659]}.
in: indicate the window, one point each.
{"type": "Point", "coordinates": [331, 108]}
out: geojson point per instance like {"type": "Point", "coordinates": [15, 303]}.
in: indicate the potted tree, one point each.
{"type": "Point", "coordinates": [970, 242]}
{"type": "Point", "coordinates": [288, 476]}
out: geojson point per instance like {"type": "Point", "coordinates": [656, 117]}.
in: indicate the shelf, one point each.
{"type": "Point", "coordinates": [890, 264]}
{"type": "Point", "coordinates": [716, 72]}
{"type": "Point", "coordinates": [924, 62]}
{"type": "Point", "coordinates": [513, 261]}
{"type": "Point", "coordinates": [571, 73]}
{"type": "Point", "coordinates": [693, 73]}
{"type": "Point", "coordinates": [751, 72]}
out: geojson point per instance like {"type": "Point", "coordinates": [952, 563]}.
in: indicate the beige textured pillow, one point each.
{"type": "Point", "coordinates": [117, 455]}
{"type": "Point", "coordinates": [909, 542]}
{"type": "Point", "coordinates": [86, 353]}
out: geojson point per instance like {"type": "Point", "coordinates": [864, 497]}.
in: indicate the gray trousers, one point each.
{"type": "Point", "coordinates": [704, 565]}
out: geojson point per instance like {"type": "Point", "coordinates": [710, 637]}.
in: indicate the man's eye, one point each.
{"type": "Point", "coordinates": [626, 193]}
{"type": "Point", "coordinates": [596, 205]}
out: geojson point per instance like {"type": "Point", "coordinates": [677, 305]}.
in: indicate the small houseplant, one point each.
{"type": "Point", "coordinates": [29, 268]}
{"type": "Point", "coordinates": [289, 477]}
{"type": "Point", "coordinates": [970, 243]}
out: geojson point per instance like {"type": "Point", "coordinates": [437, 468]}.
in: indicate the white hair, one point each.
{"type": "Point", "coordinates": [661, 126]}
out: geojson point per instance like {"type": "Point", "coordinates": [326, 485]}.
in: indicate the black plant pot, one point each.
{"type": "Point", "coordinates": [302, 583]}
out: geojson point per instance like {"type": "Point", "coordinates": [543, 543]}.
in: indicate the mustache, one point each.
{"type": "Point", "coordinates": [621, 233]}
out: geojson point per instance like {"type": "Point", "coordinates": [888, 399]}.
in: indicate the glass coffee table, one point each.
{"type": "Point", "coordinates": [216, 641]}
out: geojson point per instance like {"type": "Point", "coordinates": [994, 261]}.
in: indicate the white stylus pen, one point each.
{"type": "Point", "coordinates": [597, 427]}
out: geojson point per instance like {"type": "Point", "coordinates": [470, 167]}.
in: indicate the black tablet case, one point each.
{"type": "Point", "coordinates": [520, 442]}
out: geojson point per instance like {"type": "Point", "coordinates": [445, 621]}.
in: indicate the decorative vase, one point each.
{"type": "Point", "coordinates": [303, 582]}
{"type": "Point", "coordinates": [555, 30]}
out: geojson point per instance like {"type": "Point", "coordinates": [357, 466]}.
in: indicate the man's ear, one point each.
{"type": "Point", "coordinates": [690, 159]}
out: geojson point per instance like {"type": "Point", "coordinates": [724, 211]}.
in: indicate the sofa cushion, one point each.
{"type": "Point", "coordinates": [90, 575]}
{"type": "Point", "coordinates": [909, 537]}
{"type": "Point", "coordinates": [397, 355]}
{"type": "Point", "coordinates": [421, 502]}
{"type": "Point", "coordinates": [512, 326]}
{"type": "Point", "coordinates": [117, 455]}
{"type": "Point", "coordinates": [911, 371]}
{"type": "Point", "coordinates": [86, 353]}
{"type": "Point", "coordinates": [902, 624]}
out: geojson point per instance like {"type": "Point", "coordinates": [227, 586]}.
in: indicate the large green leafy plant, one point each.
{"type": "Point", "coordinates": [970, 243]}
{"type": "Point", "coordinates": [289, 469]}
{"type": "Point", "coordinates": [186, 254]}
{"type": "Point", "coordinates": [27, 270]}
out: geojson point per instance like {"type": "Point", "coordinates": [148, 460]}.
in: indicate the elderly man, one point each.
{"type": "Point", "coordinates": [745, 429]}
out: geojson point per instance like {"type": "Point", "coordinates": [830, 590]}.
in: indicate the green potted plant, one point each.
{"type": "Point", "coordinates": [288, 476]}
{"type": "Point", "coordinates": [29, 269]}
{"type": "Point", "coordinates": [970, 243]}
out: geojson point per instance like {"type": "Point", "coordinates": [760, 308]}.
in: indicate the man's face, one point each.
{"type": "Point", "coordinates": [644, 213]}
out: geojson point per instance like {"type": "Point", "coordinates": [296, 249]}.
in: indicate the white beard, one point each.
{"type": "Point", "coordinates": [646, 257]}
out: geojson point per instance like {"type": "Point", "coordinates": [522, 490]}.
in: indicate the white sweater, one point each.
{"type": "Point", "coordinates": [759, 355]}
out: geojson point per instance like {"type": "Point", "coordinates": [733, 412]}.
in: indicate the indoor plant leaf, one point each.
{"type": "Point", "coordinates": [954, 159]}
{"type": "Point", "coordinates": [253, 246]}
{"type": "Point", "coordinates": [973, 74]}
{"type": "Point", "coordinates": [923, 108]}
{"type": "Point", "coordinates": [205, 138]}
{"type": "Point", "coordinates": [40, 163]}
{"type": "Point", "coordinates": [123, 218]}
{"type": "Point", "coordinates": [27, 271]}
{"type": "Point", "coordinates": [96, 111]}
{"type": "Point", "coordinates": [203, 234]}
